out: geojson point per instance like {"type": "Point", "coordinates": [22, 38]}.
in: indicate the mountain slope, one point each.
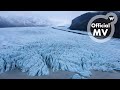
{"type": "Point", "coordinates": [23, 21]}
{"type": "Point", "coordinates": [80, 22]}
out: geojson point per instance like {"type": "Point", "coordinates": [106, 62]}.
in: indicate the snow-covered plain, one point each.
{"type": "Point", "coordinates": [36, 50]}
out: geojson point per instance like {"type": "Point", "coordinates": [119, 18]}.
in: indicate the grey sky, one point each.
{"type": "Point", "coordinates": [64, 17]}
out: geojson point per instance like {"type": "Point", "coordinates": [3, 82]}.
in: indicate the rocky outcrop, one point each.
{"type": "Point", "coordinates": [80, 22]}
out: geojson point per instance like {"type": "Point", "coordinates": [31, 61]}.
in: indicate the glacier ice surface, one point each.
{"type": "Point", "coordinates": [36, 50]}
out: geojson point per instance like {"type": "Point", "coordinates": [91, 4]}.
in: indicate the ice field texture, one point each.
{"type": "Point", "coordinates": [36, 50]}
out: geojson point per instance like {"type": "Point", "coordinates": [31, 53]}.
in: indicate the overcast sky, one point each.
{"type": "Point", "coordinates": [56, 16]}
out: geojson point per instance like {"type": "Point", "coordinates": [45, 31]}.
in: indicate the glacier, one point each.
{"type": "Point", "coordinates": [37, 50]}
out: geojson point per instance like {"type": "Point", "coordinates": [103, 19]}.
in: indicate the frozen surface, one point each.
{"type": "Point", "coordinates": [36, 50]}
{"type": "Point", "coordinates": [77, 76]}
{"type": "Point", "coordinates": [66, 28]}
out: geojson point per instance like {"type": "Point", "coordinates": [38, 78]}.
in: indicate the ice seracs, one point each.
{"type": "Point", "coordinates": [36, 50]}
